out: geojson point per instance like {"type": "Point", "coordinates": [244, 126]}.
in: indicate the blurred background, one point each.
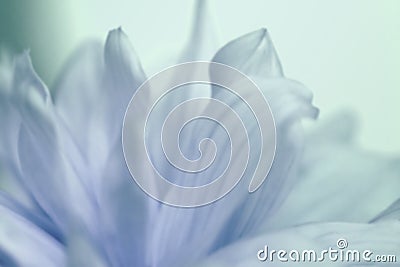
{"type": "Point", "coordinates": [346, 51]}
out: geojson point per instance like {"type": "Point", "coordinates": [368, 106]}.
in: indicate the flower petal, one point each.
{"type": "Point", "coordinates": [290, 102]}
{"type": "Point", "coordinates": [36, 217]}
{"type": "Point", "coordinates": [122, 67]}
{"type": "Point", "coordinates": [79, 98]}
{"type": "Point", "coordinates": [82, 251]}
{"type": "Point", "coordinates": [45, 171]}
{"type": "Point", "coordinates": [380, 238]}
{"type": "Point", "coordinates": [123, 205]}
{"type": "Point", "coordinates": [239, 213]}
{"type": "Point", "coordinates": [393, 212]}
{"type": "Point", "coordinates": [253, 54]}
{"type": "Point", "coordinates": [10, 180]}
{"type": "Point", "coordinates": [339, 173]}
{"type": "Point", "coordinates": [92, 95]}
{"type": "Point", "coordinates": [289, 106]}
{"type": "Point", "coordinates": [24, 244]}
{"type": "Point", "coordinates": [55, 175]}
{"type": "Point", "coordinates": [123, 213]}
{"type": "Point", "coordinates": [100, 98]}
{"type": "Point", "coordinates": [203, 41]}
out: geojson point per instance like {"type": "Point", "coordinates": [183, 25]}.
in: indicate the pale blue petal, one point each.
{"type": "Point", "coordinates": [290, 101]}
{"type": "Point", "coordinates": [190, 234]}
{"type": "Point", "coordinates": [122, 64]}
{"type": "Point", "coordinates": [92, 95]}
{"type": "Point", "coordinates": [123, 74]}
{"type": "Point", "coordinates": [338, 180]}
{"type": "Point", "coordinates": [253, 54]}
{"type": "Point", "coordinates": [24, 244]}
{"type": "Point", "coordinates": [381, 239]}
{"type": "Point", "coordinates": [10, 120]}
{"type": "Point", "coordinates": [8, 115]}
{"type": "Point", "coordinates": [98, 91]}
{"type": "Point", "coordinates": [79, 99]}
{"type": "Point", "coordinates": [202, 45]}
{"type": "Point", "coordinates": [123, 204]}
{"type": "Point", "coordinates": [44, 168]}
{"type": "Point", "coordinates": [82, 250]}
{"type": "Point", "coordinates": [67, 166]}
{"type": "Point", "coordinates": [36, 217]}
{"type": "Point", "coordinates": [123, 213]}
{"type": "Point", "coordinates": [289, 105]}
{"type": "Point", "coordinates": [392, 212]}
{"type": "Point", "coordinates": [203, 42]}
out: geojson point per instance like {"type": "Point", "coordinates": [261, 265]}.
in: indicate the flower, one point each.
{"type": "Point", "coordinates": [68, 198]}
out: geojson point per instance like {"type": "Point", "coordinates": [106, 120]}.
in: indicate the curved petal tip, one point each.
{"type": "Point", "coordinates": [121, 59]}
{"type": "Point", "coordinates": [253, 54]}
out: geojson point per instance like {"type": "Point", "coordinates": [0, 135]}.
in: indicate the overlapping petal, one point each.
{"type": "Point", "coordinates": [346, 181]}
{"type": "Point", "coordinates": [238, 214]}
{"type": "Point", "coordinates": [379, 238]}
{"type": "Point", "coordinates": [73, 165]}
{"type": "Point", "coordinates": [22, 243]}
{"type": "Point", "coordinates": [74, 196]}
{"type": "Point", "coordinates": [108, 87]}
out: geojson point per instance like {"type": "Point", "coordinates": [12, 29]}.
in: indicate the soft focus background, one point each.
{"type": "Point", "coordinates": [346, 51]}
